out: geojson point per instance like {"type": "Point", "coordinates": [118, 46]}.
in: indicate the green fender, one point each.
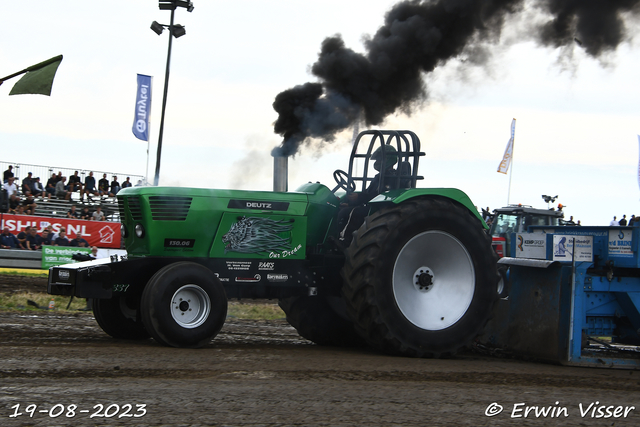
{"type": "Point", "coordinates": [401, 195]}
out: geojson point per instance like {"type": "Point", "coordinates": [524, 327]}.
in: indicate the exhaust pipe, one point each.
{"type": "Point", "coordinates": [280, 173]}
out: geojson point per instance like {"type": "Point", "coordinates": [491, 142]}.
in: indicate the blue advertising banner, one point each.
{"type": "Point", "coordinates": [143, 108]}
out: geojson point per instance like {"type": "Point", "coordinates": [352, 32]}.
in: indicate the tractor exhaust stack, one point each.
{"type": "Point", "coordinates": [280, 173]}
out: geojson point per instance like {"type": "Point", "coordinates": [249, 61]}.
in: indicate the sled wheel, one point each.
{"type": "Point", "coordinates": [184, 305]}
{"type": "Point", "coordinates": [316, 318]}
{"type": "Point", "coordinates": [420, 278]}
{"type": "Point", "coordinates": [118, 317]}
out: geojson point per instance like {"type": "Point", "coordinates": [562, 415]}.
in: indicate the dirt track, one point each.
{"type": "Point", "coordinates": [262, 373]}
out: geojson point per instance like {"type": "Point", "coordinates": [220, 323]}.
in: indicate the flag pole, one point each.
{"type": "Point", "coordinates": [511, 169]}
{"type": "Point", "coordinates": [33, 68]}
{"type": "Point", "coordinates": [507, 159]}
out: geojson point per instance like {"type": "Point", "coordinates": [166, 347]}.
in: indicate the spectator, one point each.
{"type": "Point", "coordinates": [8, 240]}
{"type": "Point", "coordinates": [61, 192]}
{"type": "Point", "coordinates": [571, 222]}
{"type": "Point", "coordinates": [97, 254]}
{"type": "Point", "coordinates": [86, 213]}
{"type": "Point", "coordinates": [46, 237]}
{"type": "Point", "coordinates": [34, 241]}
{"type": "Point", "coordinates": [623, 221]}
{"type": "Point", "coordinates": [115, 186]}
{"type": "Point", "coordinates": [29, 204]}
{"type": "Point", "coordinates": [98, 215]}
{"type": "Point", "coordinates": [19, 210]}
{"type": "Point", "coordinates": [79, 242]}
{"type": "Point", "coordinates": [62, 239]}
{"type": "Point", "coordinates": [51, 186]}
{"type": "Point", "coordinates": [103, 185]}
{"type": "Point", "coordinates": [22, 237]}
{"type": "Point", "coordinates": [27, 183]}
{"type": "Point", "coordinates": [73, 213]}
{"type": "Point", "coordinates": [127, 183]}
{"type": "Point", "coordinates": [12, 193]}
{"type": "Point", "coordinates": [55, 235]}
{"type": "Point", "coordinates": [7, 174]}
{"type": "Point", "coordinates": [36, 187]}
{"type": "Point", "coordinates": [613, 223]}
{"type": "Point", "coordinates": [632, 220]}
{"type": "Point", "coordinates": [75, 183]}
{"type": "Point", "coordinates": [90, 185]}
{"type": "Point", "coordinates": [486, 214]}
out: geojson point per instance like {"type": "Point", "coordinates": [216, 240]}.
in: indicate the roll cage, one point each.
{"type": "Point", "coordinates": [407, 145]}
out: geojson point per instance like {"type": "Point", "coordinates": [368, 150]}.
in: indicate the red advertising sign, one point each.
{"type": "Point", "coordinates": [103, 234]}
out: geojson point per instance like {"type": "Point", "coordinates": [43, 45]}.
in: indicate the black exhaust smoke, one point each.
{"type": "Point", "coordinates": [417, 36]}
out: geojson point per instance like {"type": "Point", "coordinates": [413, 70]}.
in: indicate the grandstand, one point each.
{"type": "Point", "coordinates": [58, 207]}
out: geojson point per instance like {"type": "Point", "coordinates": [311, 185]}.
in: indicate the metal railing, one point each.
{"type": "Point", "coordinates": [20, 171]}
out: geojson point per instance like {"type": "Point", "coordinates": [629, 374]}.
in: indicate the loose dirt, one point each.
{"type": "Point", "coordinates": [10, 284]}
{"type": "Point", "coordinates": [261, 373]}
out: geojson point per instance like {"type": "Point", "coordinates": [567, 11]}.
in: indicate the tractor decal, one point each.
{"type": "Point", "coordinates": [258, 235]}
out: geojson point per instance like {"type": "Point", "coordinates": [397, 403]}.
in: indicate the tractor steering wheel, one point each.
{"type": "Point", "coordinates": [344, 181]}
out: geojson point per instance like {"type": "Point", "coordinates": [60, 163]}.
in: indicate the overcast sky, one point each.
{"type": "Point", "coordinates": [576, 132]}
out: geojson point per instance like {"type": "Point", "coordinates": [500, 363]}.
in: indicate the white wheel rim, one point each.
{"type": "Point", "coordinates": [433, 280]}
{"type": "Point", "coordinates": [190, 306]}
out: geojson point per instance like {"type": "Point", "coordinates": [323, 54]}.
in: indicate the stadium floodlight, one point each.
{"type": "Point", "coordinates": [172, 4]}
{"type": "Point", "coordinates": [175, 30]}
{"type": "Point", "coordinates": [157, 28]}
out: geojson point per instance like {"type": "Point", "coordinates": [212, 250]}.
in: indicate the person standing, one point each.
{"type": "Point", "coordinates": [614, 222]}
{"type": "Point", "coordinates": [623, 221]}
{"type": "Point", "coordinates": [7, 174]}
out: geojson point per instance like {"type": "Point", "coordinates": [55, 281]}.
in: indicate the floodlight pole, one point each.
{"type": "Point", "coordinates": [164, 102]}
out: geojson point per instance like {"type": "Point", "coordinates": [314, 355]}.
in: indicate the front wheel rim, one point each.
{"type": "Point", "coordinates": [190, 306]}
{"type": "Point", "coordinates": [433, 280]}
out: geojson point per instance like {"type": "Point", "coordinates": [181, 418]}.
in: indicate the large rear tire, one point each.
{"type": "Point", "coordinates": [316, 319]}
{"type": "Point", "coordinates": [420, 278]}
{"type": "Point", "coordinates": [184, 305]}
{"type": "Point", "coordinates": [119, 317]}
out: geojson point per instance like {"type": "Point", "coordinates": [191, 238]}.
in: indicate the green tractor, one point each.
{"type": "Point", "coordinates": [374, 261]}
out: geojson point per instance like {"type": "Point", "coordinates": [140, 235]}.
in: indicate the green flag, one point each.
{"type": "Point", "coordinates": [37, 79]}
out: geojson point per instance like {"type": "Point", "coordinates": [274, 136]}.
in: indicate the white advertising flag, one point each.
{"type": "Point", "coordinates": [508, 152]}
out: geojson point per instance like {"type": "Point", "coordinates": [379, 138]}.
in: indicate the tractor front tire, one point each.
{"type": "Point", "coordinates": [420, 278]}
{"type": "Point", "coordinates": [184, 305]}
{"type": "Point", "coordinates": [119, 318]}
{"type": "Point", "coordinates": [315, 318]}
